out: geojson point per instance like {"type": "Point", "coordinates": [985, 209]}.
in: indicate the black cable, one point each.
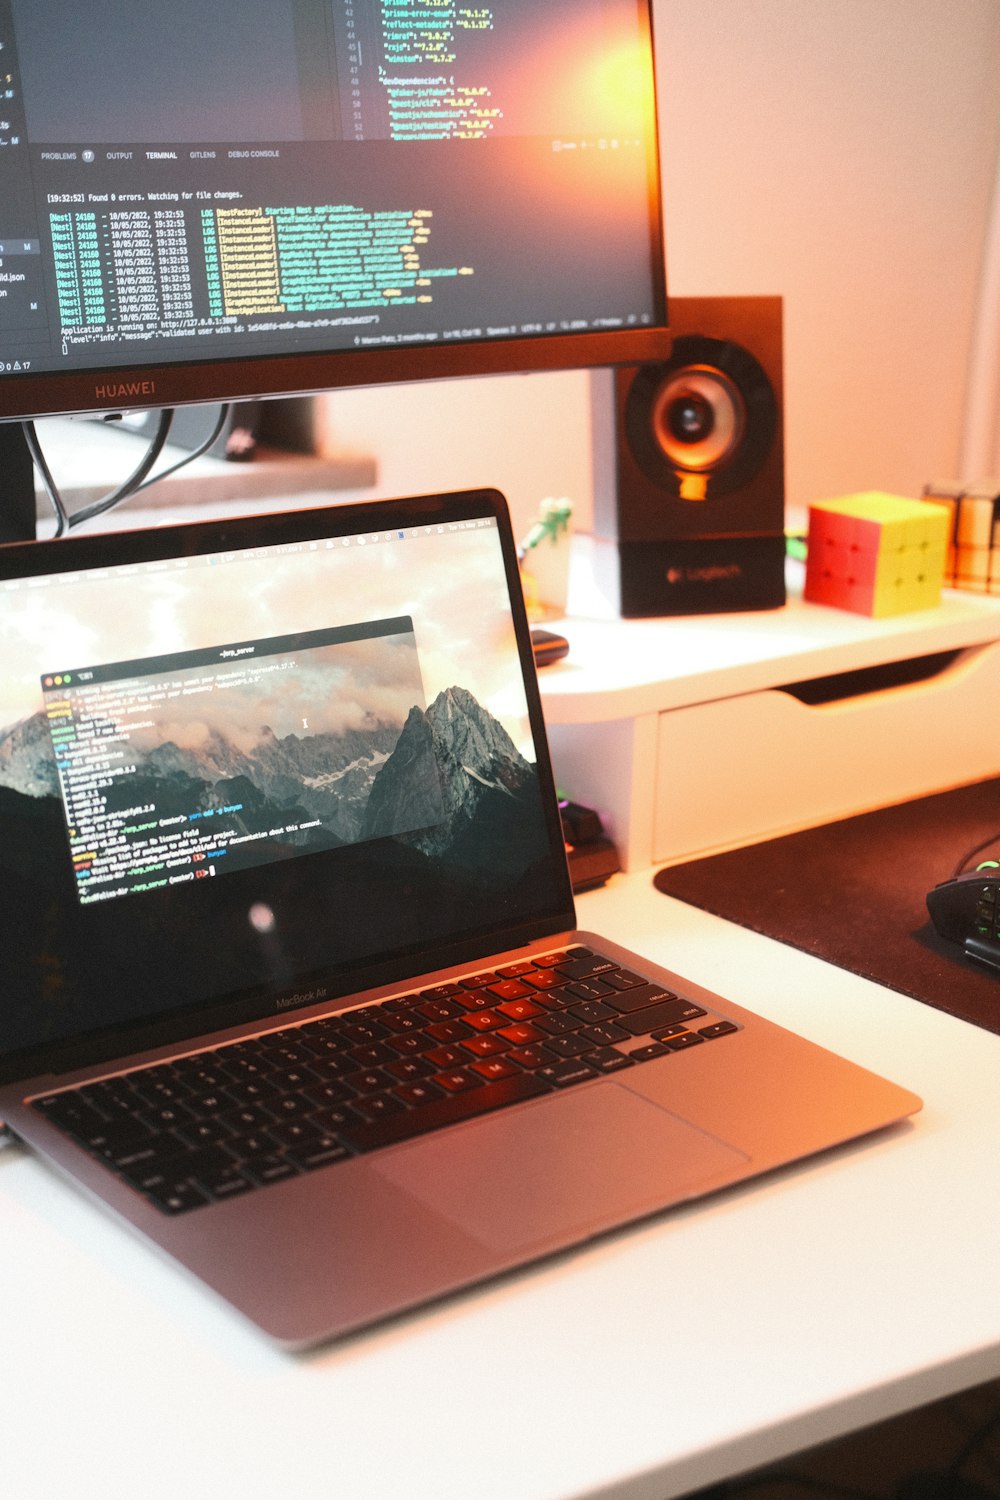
{"type": "Point", "coordinates": [213, 436]}
{"type": "Point", "coordinates": [973, 852]}
{"type": "Point", "coordinates": [140, 478]}
{"type": "Point", "coordinates": [134, 481]}
{"type": "Point", "coordinates": [982, 1433]}
{"type": "Point", "coordinates": [45, 474]}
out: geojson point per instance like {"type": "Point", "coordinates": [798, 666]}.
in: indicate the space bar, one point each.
{"type": "Point", "coordinates": [370, 1135]}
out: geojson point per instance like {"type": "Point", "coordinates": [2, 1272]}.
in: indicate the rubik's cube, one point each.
{"type": "Point", "coordinates": [876, 554]}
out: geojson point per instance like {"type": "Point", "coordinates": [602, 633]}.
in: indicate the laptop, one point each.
{"type": "Point", "coordinates": [292, 980]}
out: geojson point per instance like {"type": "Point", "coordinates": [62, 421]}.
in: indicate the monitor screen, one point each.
{"type": "Point", "coordinates": [204, 202]}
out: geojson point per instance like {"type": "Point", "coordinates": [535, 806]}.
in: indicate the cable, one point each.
{"type": "Point", "coordinates": [976, 1440]}
{"type": "Point", "coordinates": [45, 474]}
{"type": "Point", "coordinates": [973, 852]}
{"type": "Point", "coordinates": [215, 433]}
{"type": "Point", "coordinates": [140, 478]}
{"type": "Point", "coordinates": [134, 481]}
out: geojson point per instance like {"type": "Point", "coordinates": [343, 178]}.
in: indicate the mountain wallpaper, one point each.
{"type": "Point", "coordinates": [451, 783]}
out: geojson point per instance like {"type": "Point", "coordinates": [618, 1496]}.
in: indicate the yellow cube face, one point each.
{"type": "Point", "coordinates": [876, 554]}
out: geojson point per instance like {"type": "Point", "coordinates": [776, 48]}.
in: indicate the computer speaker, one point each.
{"type": "Point", "coordinates": [689, 493]}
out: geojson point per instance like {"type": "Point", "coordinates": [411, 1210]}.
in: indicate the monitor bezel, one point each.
{"type": "Point", "coordinates": [246, 376]}
{"type": "Point", "coordinates": [255, 377]}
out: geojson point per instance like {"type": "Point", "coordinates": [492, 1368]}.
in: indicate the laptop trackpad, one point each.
{"type": "Point", "coordinates": [560, 1168]}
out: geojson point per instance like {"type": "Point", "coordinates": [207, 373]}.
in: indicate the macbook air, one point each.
{"type": "Point", "coordinates": [292, 982]}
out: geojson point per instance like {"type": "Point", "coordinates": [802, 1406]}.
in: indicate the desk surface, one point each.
{"type": "Point", "coordinates": [658, 1360]}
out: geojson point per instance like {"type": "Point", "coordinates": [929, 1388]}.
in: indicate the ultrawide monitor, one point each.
{"type": "Point", "coordinates": [204, 202]}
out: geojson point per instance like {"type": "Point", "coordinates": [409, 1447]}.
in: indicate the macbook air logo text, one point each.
{"type": "Point", "coordinates": [304, 997]}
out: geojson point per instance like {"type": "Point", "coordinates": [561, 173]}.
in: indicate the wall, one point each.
{"type": "Point", "coordinates": [841, 153]}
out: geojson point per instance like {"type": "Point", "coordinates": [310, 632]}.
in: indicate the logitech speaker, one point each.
{"type": "Point", "coordinates": [689, 491]}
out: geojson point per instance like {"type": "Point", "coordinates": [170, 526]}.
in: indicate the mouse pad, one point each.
{"type": "Point", "coordinates": [852, 892]}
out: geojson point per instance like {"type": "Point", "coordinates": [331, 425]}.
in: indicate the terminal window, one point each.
{"type": "Point", "coordinates": [183, 768]}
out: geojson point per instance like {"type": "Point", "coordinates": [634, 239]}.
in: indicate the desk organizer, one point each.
{"type": "Point", "coordinates": [746, 767]}
{"type": "Point", "coordinates": [695, 735]}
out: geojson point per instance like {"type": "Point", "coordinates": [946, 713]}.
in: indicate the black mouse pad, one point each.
{"type": "Point", "coordinates": [852, 892]}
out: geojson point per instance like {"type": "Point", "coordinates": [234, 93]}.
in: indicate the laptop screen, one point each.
{"type": "Point", "coordinates": [246, 766]}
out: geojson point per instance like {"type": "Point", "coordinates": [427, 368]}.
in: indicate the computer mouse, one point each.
{"type": "Point", "coordinates": [966, 910]}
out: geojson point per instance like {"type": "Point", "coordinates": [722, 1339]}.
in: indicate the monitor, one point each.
{"type": "Point", "coordinates": [254, 198]}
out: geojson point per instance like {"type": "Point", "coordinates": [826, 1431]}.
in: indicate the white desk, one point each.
{"type": "Point", "coordinates": [695, 1346]}
{"type": "Point", "coordinates": [683, 732]}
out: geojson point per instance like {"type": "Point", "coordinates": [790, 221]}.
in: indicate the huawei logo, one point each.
{"type": "Point", "coordinates": [125, 389]}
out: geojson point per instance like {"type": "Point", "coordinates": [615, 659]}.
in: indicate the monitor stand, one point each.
{"type": "Point", "coordinates": [17, 486]}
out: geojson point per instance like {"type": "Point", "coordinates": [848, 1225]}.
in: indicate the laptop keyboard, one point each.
{"type": "Point", "coordinates": [219, 1123]}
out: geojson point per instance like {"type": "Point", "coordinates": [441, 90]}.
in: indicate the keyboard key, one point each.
{"type": "Point", "coordinates": [440, 1010]}
{"type": "Point", "coordinates": [553, 960]}
{"type": "Point", "coordinates": [589, 989]}
{"type": "Point", "coordinates": [532, 1057]}
{"type": "Point", "coordinates": [406, 1020]}
{"type": "Point", "coordinates": [444, 1058]}
{"type": "Point", "coordinates": [509, 989]}
{"type": "Point", "coordinates": [320, 1152]}
{"type": "Point", "coordinates": [552, 1000]}
{"type": "Point", "coordinates": [477, 999]}
{"type": "Point", "coordinates": [562, 1074]}
{"type": "Point", "coordinates": [329, 1095]}
{"type": "Point", "coordinates": [607, 1060]}
{"type": "Point", "coordinates": [371, 1054]}
{"type": "Point", "coordinates": [72, 1115]}
{"type": "Point", "coordinates": [521, 1033]}
{"type": "Point", "coordinates": [486, 1046]}
{"type": "Point", "coordinates": [604, 1033]}
{"type": "Point", "coordinates": [176, 1198]}
{"type": "Point", "coordinates": [556, 1023]}
{"type": "Point", "coordinates": [370, 1081]}
{"type": "Point", "coordinates": [481, 1099]}
{"type": "Point", "coordinates": [520, 1010]}
{"type": "Point", "coordinates": [409, 1069]}
{"type": "Point", "coordinates": [410, 1044]}
{"type": "Point", "coordinates": [270, 1167]}
{"type": "Point", "coordinates": [492, 1068]}
{"type": "Point", "coordinates": [586, 968]}
{"type": "Point", "coordinates": [415, 1094]}
{"type": "Point", "coordinates": [568, 1046]}
{"type": "Point", "coordinates": [592, 1010]}
{"type": "Point", "coordinates": [378, 1106]}
{"type": "Point", "coordinates": [457, 1081]}
{"type": "Point", "coordinates": [441, 991]}
{"type": "Point", "coordinates": [545, 979]}
{"type": "Point", "coordinates": [622, 979]}
{"type": "Point", "coordinates": [665, 1013]}
{"type": "Point", "coordinates": [485, 1020]}
{"type": "Point", "coordinates": [682, 1040]}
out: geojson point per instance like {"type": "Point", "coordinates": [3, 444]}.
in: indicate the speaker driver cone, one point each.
{"type": "Point", "coordinates": [698, 418]}
{"type": "Point", "coordinates": [709, 412]}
